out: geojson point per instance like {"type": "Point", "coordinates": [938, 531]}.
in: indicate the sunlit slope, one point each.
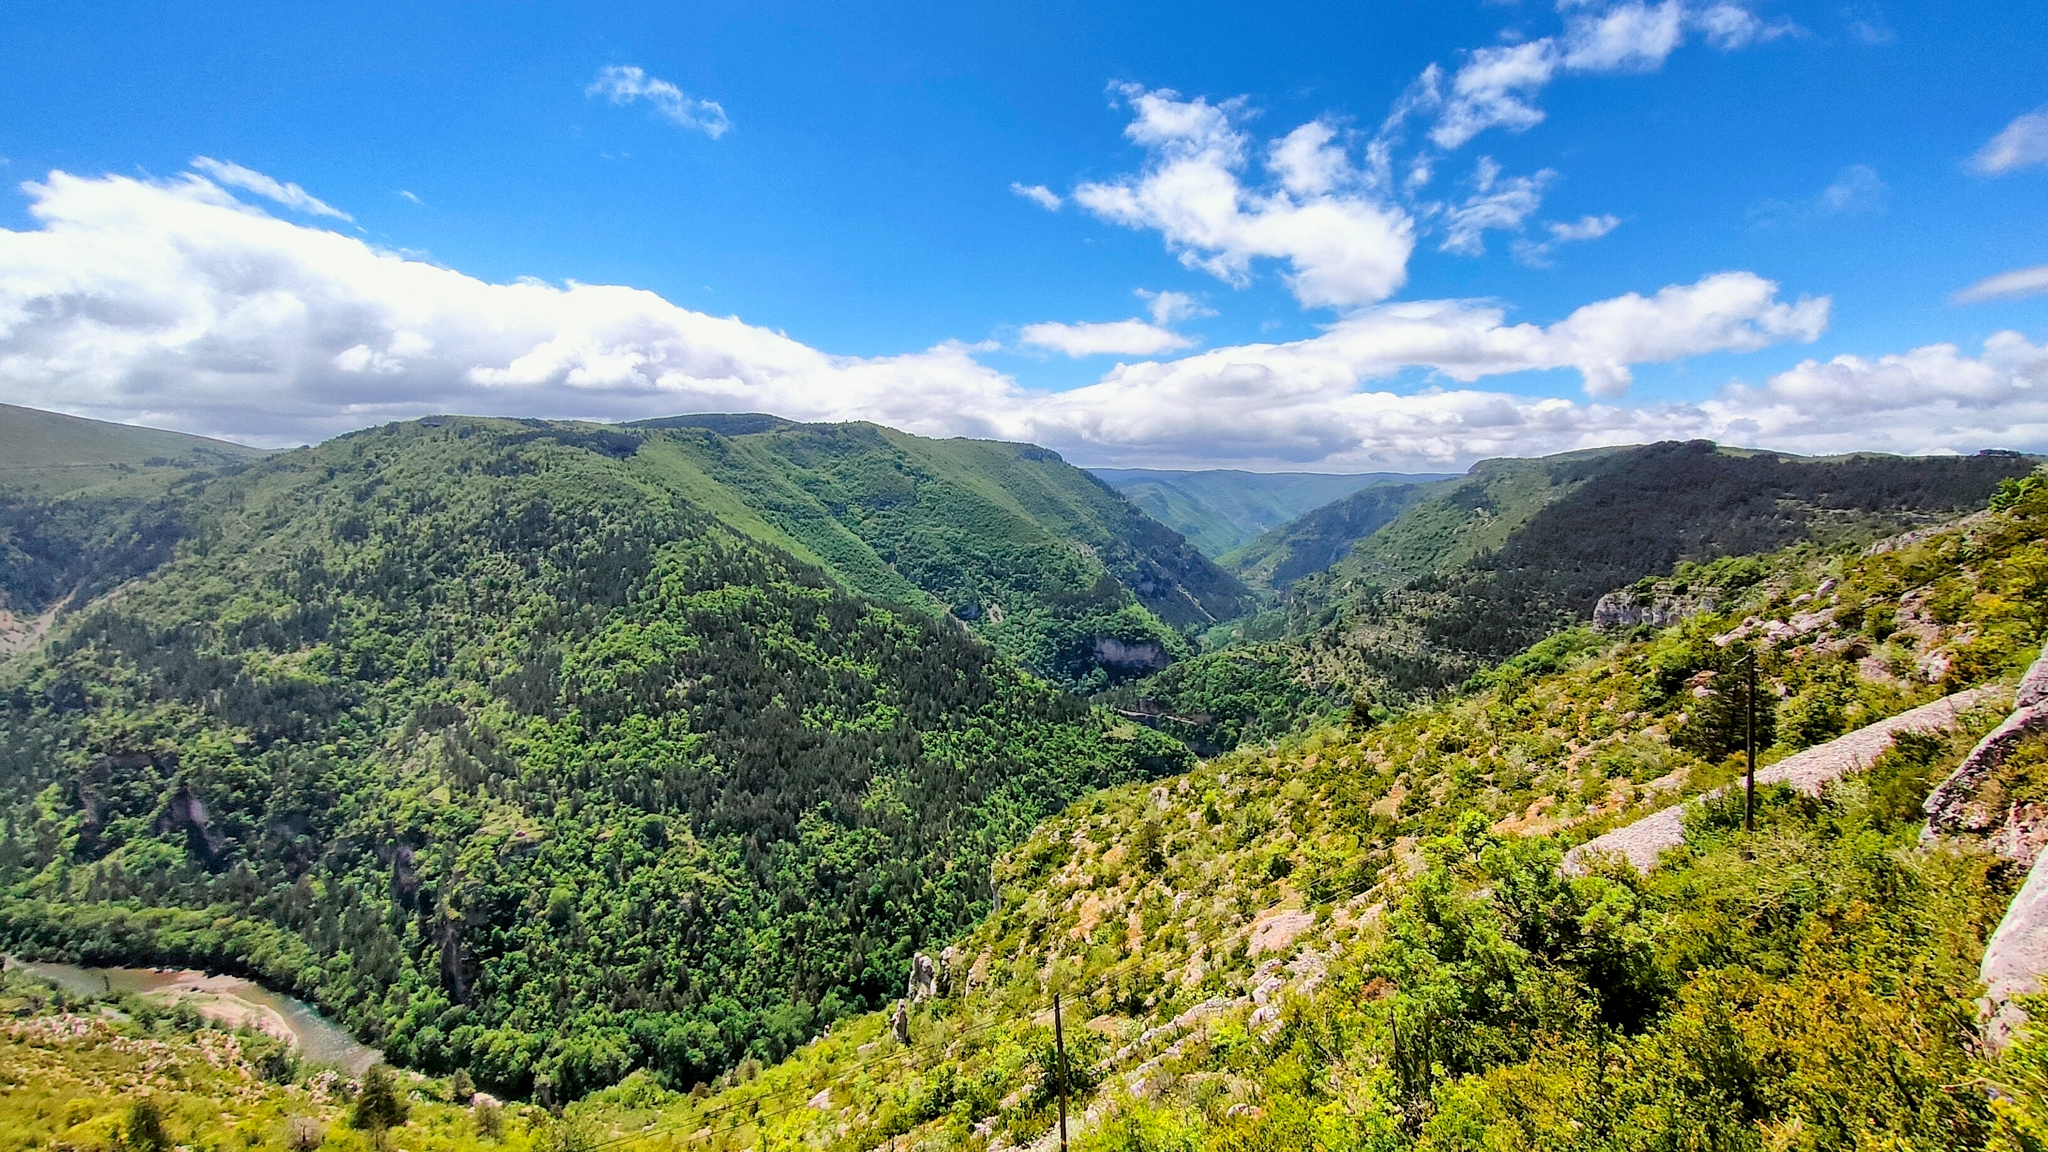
{"type": "Point", "coordinates": [1050, 565]}
{"type": "Point", "coordinates": [1362, 939]}
{"type": "Point", "coordinates": [1488, 565]}
{"type": "Point", "coordinates": [1222, 509]}
{"type": "Point", "coordinates": [85, 505]}
{"type": "Point", "coordinates": [52, 453]}
{"type": "Point", "coordinates": [1323, 536]}
{"type": "Point", "coordinates": [512, 755]}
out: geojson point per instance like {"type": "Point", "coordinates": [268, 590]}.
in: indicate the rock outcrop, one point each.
{"type": "Point", "coordinates": [2015, 958]}
{"type": "Point", "coordinates": [1953, 807]}
{"type": "Point", "coordinates": [1658, 606]}
{"type": "Point", "coordinates": [1642, 842]}
{"type": "Point", "coordinates": [924, 979]}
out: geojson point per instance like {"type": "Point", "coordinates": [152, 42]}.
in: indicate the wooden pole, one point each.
{"type": "Point", "coordinates": [1059, 1043]}
{"type": "Point", "coordinates": [1749, 744]}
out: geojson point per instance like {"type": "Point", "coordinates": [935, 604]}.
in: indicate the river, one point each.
{"type": "Point", "coordinates": [228, 999]}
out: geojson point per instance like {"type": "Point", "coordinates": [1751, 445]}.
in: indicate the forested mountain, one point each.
{"type": "Point", "coordinates": [1322, 537]}
{"type": "Point", "coordinates": [512, 747]}
{"type": "Point", "coordinates": [54, 453]}
{"type": "Point", "coordinates": [1221, 509]}
{"type": "Point", "coordinates": [1364, 938]}
{"type": "Point", "coordinates": [85, 505]}
{"type": "Point", "coordinates": [1488, 565]}
{"type": "Point", "coordinates": [1051, 566]}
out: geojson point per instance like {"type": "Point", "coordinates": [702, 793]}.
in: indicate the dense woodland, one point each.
{"type": "Point", "coordinates": [515, 761]}
{"type": "Point", "coordinates": [1484, 568]}
{"type": "Point", "coordinates": [564, 755]}
{"type": "Point", "coordinates": [1362, 939]}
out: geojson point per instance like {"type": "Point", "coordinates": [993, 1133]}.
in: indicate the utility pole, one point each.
{"type": "Point", "coordinates": [1059, 1044]}
{"type": "Point", "coordinates": [1749, 745]}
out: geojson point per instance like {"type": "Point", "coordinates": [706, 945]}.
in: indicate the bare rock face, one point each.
{"type": "Point", "coordinates": [924, 979]}
{"type": "Point", "coordinates": [1952, 807]}
{"type": "Point", "coordinates": [899, 1022]}
{"type": "Point", "coordinates": [953, 976]}
{"type": "Point", "coordinates": [1658, 606]}
{"type": "Point", "coordinates": [2015, 958]}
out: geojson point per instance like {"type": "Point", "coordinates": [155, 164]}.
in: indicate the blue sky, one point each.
{"type": "Point", "coordinates": [852, 190]}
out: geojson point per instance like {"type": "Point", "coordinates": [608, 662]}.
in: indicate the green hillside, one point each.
{"type": "Point", "coordinates": [1361, 939]}
{"type": "Point", "coordinates": [1519, 548]}
{"type": "Point", "coordinates": [1222, 509]}
{"type": "Point", "coordinates": [1322, 537]}
{"type": "Point", "coordinates": [53, 453]}
{"type": "Point", "coordinates": [86, 505]}
{"type": "Point", "coordinates": [493, 740]}
{"type": "Point", "coordinates": [1052, 567]}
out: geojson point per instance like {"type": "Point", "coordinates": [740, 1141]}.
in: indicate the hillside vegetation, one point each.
{"type": "Point", "coordinates": [1038, 557]}
{"type": "Point", "coordinates": [1322, 537]}
{"type": "Point", "coordinates": [1362, 939]}
{"type": "Point", "coordinates": [85, 505]}
{"type": "Point", "coordinates": [495, 741]}
{"type": "Point", "coordinates": [1487, 566]}
{"type": "Point", "coordinates": [1222, 509]}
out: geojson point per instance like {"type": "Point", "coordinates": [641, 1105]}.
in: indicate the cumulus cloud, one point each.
{"type": "Point", "coordinates": [248, 179]}
{"type": "Point", "coordinates": [1038, 194]}
{"type": "Point", "coordinates": [1496, 204]}
{"type": "Point", "coordinates": [1497, 86]}
{"type": "Point", "coordinates": [625, 83]}
{"type": "Point", "coordinates": [1537, 254]}
{"type": "Point", "coordinates": [1172, 307]}
{"type": "Point", "coordinates": [1113, 338]}
{"type": "Point", "coordinates": [2007, 285]}
{"type": "Point", "coordinates": [171, 303]}
{"type": "Point", "coordinates": [1932, 398]}
{"type": "Point", "coordinates": [1630, 37]}
{"type": "Point", "coordinates": [2022, 143]}
{"type": "Point", "coordinates": [1132, 337]}
{"type": "Point", "coordinates": [1343, 245]}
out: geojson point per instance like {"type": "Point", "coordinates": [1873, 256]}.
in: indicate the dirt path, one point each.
{"type": "Point", "coordinates": [1642, 842]}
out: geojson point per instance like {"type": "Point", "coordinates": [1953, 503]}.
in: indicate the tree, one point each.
{"type": "Point", "coordinates": [144, 1131]}
{"type": "Point", "coordinates": [461, 1087]}
{"type": "Point", "coordinates": [379, 1104]}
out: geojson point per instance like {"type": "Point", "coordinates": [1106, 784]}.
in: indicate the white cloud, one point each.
{"type": "Point", "coordinates": [625, 83]}
{"type": "Point", "coordinates": [1855, 191]}
{"type": "Point", "coordinates": [1496, 204]}
{"type": "Point", "coordinates": [1345, 247]}
{"type": "Point", "coordinates": [1537, 255]}
{"type": "Point", "coordinates": [1114, 338]}
{"type": "Point", "coordinates": [1494, 88]}
{"type": "Point", "coordinates": [410, 196]}
{"type": "Point", "coordinates": [1172, 307]}
{"type": "Point", "coordinates": [172, 304]}
{"type": "Point", "coordinates": [290, 195]}
{"type": "Point", "coordinates": [1497, 86]}
{"type": "Point", "coordinates": [1928, 399]}
{"type": "Point", "coordinates": [1731, 26]}
{"type": "Point", "coordinates": [1858, 189]}
{"type": "Point", "coordinates": [1631, 37]}
{"type": "Point", "coordinates": [2019, 144]}
{"type": "Point", "coordinates": [2007, 285]}
{"type": "Point", "coordinates": [1132, 337]}
{"type": "Point", "coordinates": [1038, 194]}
